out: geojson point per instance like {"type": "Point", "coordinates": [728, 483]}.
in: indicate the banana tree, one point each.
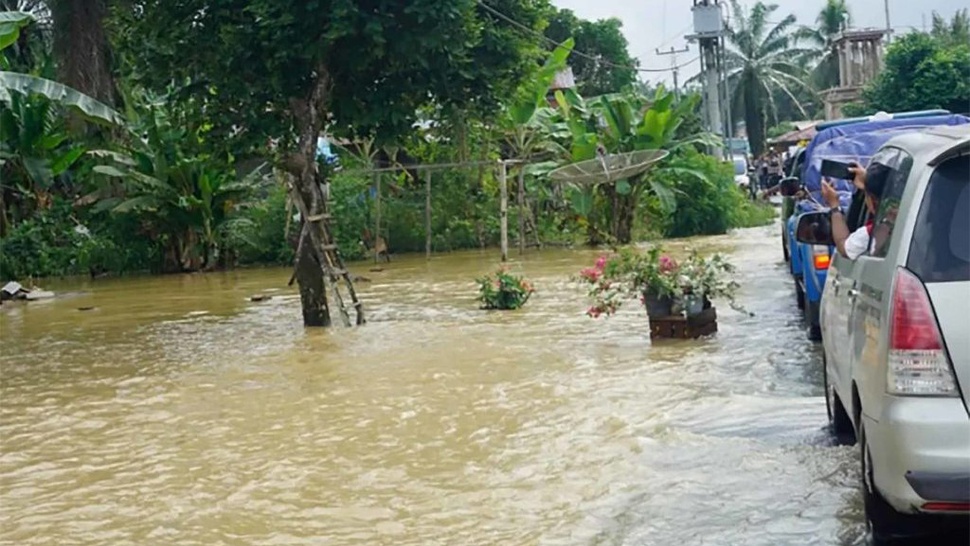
{"type": "Point", "coordinates": [185, 200]}
{"type": "Point", "coordinates": [622, 123]}
{"type": "Point", "coordinates": [35, 149]}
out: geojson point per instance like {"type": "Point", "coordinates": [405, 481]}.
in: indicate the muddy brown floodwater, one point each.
{"type": "Point", "coordinates": [179, 412]}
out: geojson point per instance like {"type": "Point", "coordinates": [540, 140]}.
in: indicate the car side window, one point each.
{"type": "Point", "coordinates": [901, 164]}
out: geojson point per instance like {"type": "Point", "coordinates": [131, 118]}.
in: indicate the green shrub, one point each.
{"type": "Point", "coordinates": [705, 207]}
{"type": "Point", "coordinates": [58, 242]}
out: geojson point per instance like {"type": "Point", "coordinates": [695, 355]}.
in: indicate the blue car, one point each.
{"type": "Point", "coordinates": [842, 140]}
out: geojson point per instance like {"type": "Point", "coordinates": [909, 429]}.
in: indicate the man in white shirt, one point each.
{"type": "Point", "coordinates": [872, 181]}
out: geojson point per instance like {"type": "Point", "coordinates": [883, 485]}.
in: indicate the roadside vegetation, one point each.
{"type": "Point", "coordinates": [131, 141]}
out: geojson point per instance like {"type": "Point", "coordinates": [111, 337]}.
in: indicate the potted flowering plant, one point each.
{"type": "Point", "coordinates": [503, 290]}
{"type": "Point", "coordinates": [703, 278]}
{"type": "Point", "coordinates": [651, 276]}
{"type": "Point", "coordinates": [664, 285]}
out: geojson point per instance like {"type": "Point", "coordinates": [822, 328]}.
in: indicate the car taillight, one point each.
{"type": "Point", "coordinates": [918, 363]}
{"type": "Point", "coordinates": [821, 257]}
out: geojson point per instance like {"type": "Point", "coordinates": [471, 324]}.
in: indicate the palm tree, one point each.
{"type": "Point", "coordinates": [955, 32]}
{"type": "Point", "coordinates": [831, 21]}
{"type": "Point", "coordinates": [760, 61]}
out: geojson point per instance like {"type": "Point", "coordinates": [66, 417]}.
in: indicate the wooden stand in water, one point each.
{"type": "Point", "coordinates": [678, 327]}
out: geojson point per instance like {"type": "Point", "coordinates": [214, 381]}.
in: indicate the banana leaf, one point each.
{"type": "Point", "coordinates": [25, 84]}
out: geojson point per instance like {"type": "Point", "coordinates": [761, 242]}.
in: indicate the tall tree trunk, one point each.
{"type": "Point", "coordinates": [81, 47]}
{"type": "Point", "coordinates": [307, 193]}
{"type": "Point", "coordinates": [754, 116]}
{"type": "Point", "coordinates": [626, 208]}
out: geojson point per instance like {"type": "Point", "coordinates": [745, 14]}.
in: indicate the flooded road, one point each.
{"type": "Point", "coordinates": [178, 412]}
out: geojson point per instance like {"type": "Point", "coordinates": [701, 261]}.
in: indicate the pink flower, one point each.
{"type": "Point", "coordinates": [593, 312]}
{"type": "Point", "coordinates": [667, 264]}
{"type": "Point", "coordinates": [601, 263]}
{"type": "Point", "coordinates": [591, 274]}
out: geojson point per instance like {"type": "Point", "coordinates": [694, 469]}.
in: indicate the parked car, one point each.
{"type": "Point", "coordinates": [741, 171]}
{"type": "Point", "coordinates": [896, 338]}
{"type": "Point", "coordinates": [841, 141]}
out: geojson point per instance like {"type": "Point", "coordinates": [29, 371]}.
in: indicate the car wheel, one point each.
{"type": "Point", "coordinates": [799, 295]}
{"type": "Point", "coordinates": [811, 316]}
{"type": "Point", "coordinates": [839, 422]}
{"type": "Point", "coordinates": [884, 523]}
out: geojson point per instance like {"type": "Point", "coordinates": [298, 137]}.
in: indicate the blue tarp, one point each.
{"type": "Point", "coordinates": [857, 142]}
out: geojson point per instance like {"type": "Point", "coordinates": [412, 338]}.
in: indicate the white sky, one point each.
{"type": "Point", "coordinates": [652, 24]}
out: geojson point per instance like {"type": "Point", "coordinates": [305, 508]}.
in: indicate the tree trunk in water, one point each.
{"type": "Point", "coordinates": [81, 47]}
{"type": "Point", "coordinates": [313, 293]}
{"type": "Point", "coordinates": [308, 193]}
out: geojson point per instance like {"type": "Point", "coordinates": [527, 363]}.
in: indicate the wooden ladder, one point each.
{"type": "Point", "coordinates": [334, 269]}
{"type": "Point", "coordinates": [332, 264]}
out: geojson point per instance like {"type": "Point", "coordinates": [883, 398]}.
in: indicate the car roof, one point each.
{"type": "Point", "coordinates": [936, 143]}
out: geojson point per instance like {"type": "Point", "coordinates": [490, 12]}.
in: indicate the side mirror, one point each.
{"type": "Point", "coordinates": [789, 186]}
{"type": "Point", "coordinates": [814, 228]}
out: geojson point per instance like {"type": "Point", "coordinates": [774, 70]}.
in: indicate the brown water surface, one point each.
{"type": "Point", "coordinates": [179, 412]}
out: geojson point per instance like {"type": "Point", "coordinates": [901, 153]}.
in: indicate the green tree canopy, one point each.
{"type": "Point", "coordinates": [252, 61]}
{"type": "Point", "coordinates": [610, 68]}
{"type": "Point", "coordinates": [922, 72]}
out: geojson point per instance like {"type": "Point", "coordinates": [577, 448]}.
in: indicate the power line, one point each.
{"type": "Point", "coordinates": [574, 51]}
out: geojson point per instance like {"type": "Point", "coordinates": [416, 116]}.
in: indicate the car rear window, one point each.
{"type": "Point", "coordinates": [940, 249]}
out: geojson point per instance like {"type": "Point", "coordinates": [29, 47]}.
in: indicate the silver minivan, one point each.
{"type": "Point", "coordinates": [896, 336]}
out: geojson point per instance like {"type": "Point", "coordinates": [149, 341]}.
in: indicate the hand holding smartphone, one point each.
{"type": "Point", "coordinates": [837, 169]}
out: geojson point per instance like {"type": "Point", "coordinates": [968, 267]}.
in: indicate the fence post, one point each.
{"type": "Point", "coordinates": [504, 208]}
{"type": "Point", "coordinates": [427, 213]}
{"type": "Point", "coordinates": [377, 214]}
{"type": "Point", "coordinates": [521, 200]}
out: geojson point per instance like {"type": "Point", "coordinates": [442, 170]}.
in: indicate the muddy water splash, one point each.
{"type": "Point", "coordinates": [177, 411]}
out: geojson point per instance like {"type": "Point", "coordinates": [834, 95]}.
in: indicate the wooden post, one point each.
{"type": "Point", "coordinates": [504, 208]}
{"type": "Point", "coordinates": [377, 214]}
{"type": "Point", "coordinates": [427, 214]}
{"type": "Point", "coordinates": [521, 200]}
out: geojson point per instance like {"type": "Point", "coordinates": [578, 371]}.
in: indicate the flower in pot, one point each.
{"type": "Point", "coordinates": [651, 276]}
{"type": "Point", "coordinates": [664, 285]}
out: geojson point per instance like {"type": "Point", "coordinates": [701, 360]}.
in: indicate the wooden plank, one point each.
{"type": "Point", "coordinates": [679, 327]}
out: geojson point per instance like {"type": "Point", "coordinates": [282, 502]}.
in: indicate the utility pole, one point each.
{"type": "Point", "coordinates": [889, 27]}
{"type": "Point", "coordinates": [674, 67]}
{"type": "Point", "coordinates": [708, 31]}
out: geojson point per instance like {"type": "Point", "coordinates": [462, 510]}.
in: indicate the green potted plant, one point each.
{"type": "Point", "coordinates": [503, 290]}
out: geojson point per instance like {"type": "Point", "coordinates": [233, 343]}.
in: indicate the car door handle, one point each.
{"type": "Point", "coordinates": [852, 293]}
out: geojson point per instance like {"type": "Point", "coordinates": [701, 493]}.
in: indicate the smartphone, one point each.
{"type": "Point", "coordinates": [836, 169]}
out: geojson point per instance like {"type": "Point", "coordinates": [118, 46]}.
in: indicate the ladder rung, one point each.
{"type": "Point", "coordinates": [318, 217]}
{"type": "Point", "coordinates": [329, 247]}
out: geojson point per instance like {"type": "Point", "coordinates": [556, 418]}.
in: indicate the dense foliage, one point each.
{"type": "Point", "coordinates": [606, 65]}
{"type": "Point", "coordinates": [213, 100]}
